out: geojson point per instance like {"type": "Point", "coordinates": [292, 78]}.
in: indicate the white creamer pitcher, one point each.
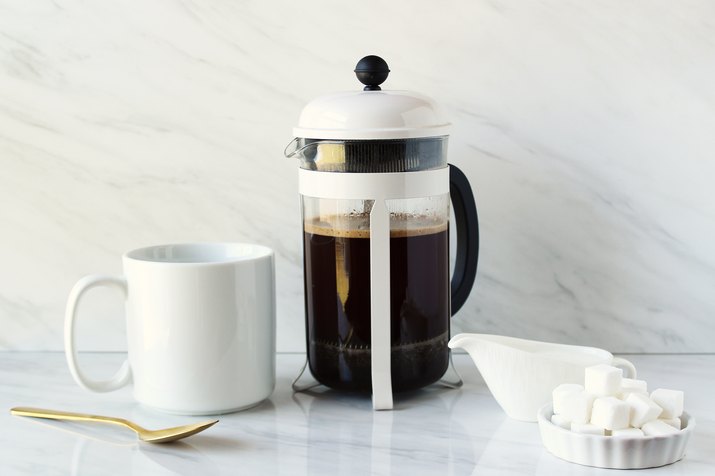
{"type": "Point", "coordinates": [521, 374]}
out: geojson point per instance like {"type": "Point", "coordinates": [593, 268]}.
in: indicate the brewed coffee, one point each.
{"type": "Point", "coordinates": [337, 286]}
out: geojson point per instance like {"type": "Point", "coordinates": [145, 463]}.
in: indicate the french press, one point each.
{"type": "Point", "coordinates": [375, 192]}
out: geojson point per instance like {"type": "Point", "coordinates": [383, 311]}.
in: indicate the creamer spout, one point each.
{"type": "Point", "coordinates": [464, 341]}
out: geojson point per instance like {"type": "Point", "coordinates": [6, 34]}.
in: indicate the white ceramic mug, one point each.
{"type": "Point", "coordinates": [200, 326]}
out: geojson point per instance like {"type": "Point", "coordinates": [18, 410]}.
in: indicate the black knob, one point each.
{"type": "Point", "coordinates": [372, 71]}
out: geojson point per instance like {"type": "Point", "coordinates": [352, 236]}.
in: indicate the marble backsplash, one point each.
{"type": "Point", "coordinates": [586, 128]}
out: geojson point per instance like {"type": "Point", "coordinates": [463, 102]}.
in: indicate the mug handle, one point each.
{"type": "Point", "coordinates": [626, 365]}
{"type": "Point", "coordinates": [124, 374]}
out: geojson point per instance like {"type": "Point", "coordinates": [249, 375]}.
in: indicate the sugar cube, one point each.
{"type": "Point", "coordinates": [634, 385]}
{"type": "Point", "coordinates": [603, 380]}
{"type": "Point", "coordinates": [559, 420]}
{"type": "Point", "coordinates": [671, 401]}
{"type": "Point", "coordinates": [587, 428]}
{"type": "Point", "coordinates": [643, 409]}
{"type": "Point", "coordinates": [658, 428]}
{"type": "Point", "coordinates": [610, 413]}
{"type": "Point", "coordinates": [624, 395]}
{"type": "Point", "coordinates": [576, 406]}
{"type": "Point", "coordinates": [628, 432]}
{"type": "Point", "coordinates": [561, 391]}
{"type": "Point", "coordinates": [630, 385]}
{"type": "Point", "coordinates": [674, 422]}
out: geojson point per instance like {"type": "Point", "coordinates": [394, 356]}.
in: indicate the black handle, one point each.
{"type": "Point", "coordinates": [465, 212]}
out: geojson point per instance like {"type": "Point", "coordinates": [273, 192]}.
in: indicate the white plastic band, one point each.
{"type": "Point", "coordinates": [380, 188]}
{"type": "Point", "coordinates": [380, 333]}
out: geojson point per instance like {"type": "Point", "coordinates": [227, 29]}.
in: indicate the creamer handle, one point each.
{"type": "Point", "coordinates": [626, 365]}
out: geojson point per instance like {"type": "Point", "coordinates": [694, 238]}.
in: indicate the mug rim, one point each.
{"type": "Point", "coordinates": [255, 253]}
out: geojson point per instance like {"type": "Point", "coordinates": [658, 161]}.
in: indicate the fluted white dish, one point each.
{"type": "Point", "coordinates": [613, 452]}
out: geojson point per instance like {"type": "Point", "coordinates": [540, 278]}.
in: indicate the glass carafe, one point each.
{"type": "Point", "coordinates": [336, 250]}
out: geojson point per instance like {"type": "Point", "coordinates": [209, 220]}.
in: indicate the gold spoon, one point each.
{"type": "Point", "coordinates": [150, 436]}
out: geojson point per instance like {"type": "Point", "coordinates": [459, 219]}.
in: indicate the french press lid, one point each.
{"type": "Point", "coordinates": [373, 113]}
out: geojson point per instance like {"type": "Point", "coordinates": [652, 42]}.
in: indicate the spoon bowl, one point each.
{"type": "Point", "coordinates": [176, 433]}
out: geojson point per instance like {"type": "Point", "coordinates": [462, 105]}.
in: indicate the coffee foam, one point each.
{"type": "Point", "coordinates": [358, 226]}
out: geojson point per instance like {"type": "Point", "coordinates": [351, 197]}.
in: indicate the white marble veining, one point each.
{"type": "Point", "coordinates": [585, 128]}
{"type": "Point", "coordinates": [434, 431]}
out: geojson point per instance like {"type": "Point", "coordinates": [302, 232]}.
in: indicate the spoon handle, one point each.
{"type": "Point", "coordinates": [61, 415]}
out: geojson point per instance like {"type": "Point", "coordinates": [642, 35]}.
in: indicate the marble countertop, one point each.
{"type": "Point", "coordinates": [434, 431]}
